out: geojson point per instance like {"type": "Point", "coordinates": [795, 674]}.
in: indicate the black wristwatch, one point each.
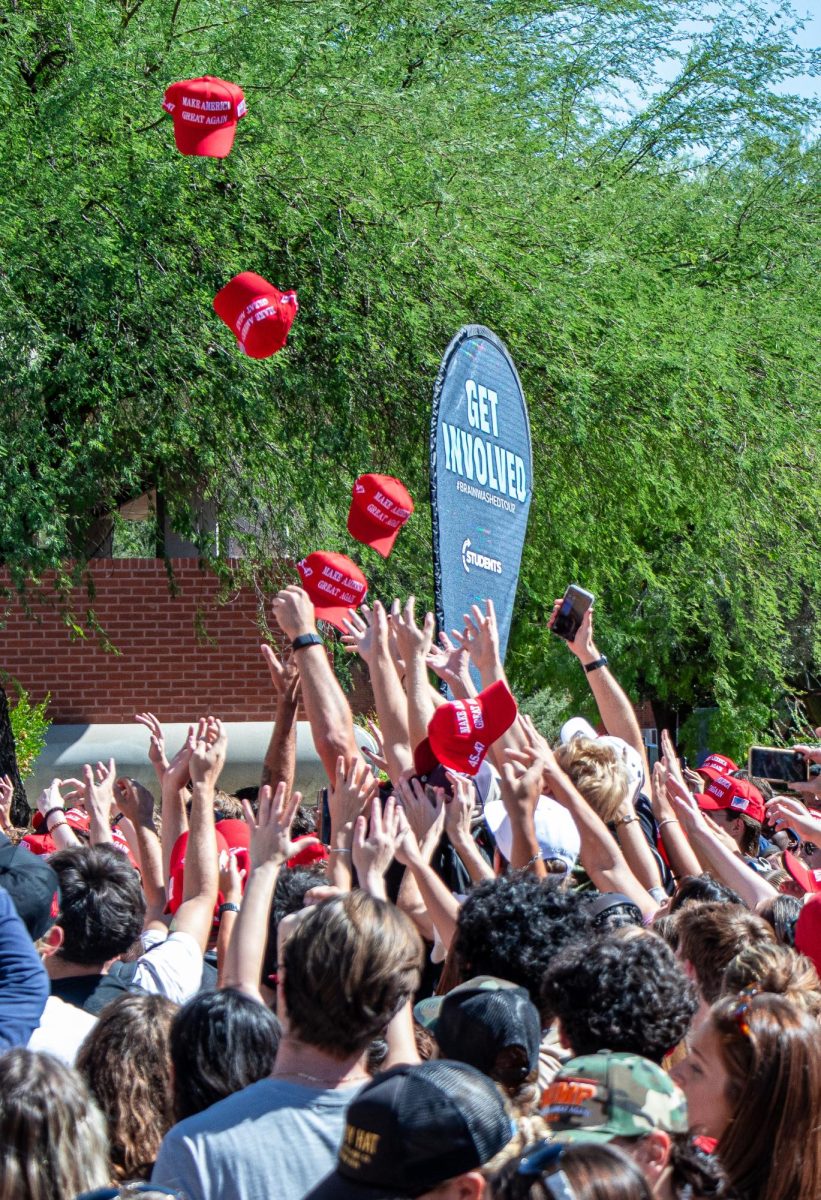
{"type": "Point", "coordinates": [306, 639]}
{"type": "Point", "coordinates": [594, 666]}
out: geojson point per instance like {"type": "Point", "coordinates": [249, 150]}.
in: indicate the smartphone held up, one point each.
{"type": "Point", "coordinates": [778, 766]}
{"type": "Point", "coordinates": [574, 605]}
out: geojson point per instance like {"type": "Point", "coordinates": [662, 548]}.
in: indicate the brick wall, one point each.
{"type": "Point", "coordinates": [163, 664]}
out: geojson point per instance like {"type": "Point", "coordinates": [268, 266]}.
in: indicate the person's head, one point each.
{"type": "Point", "coordinates": [611, 910]}
{"type": "Point", "coordinates": [752, 1078]}
{"type": "Point", "coordinates": [33, 887]}
{"type": "Point", "coordinates": [220, 1042]}
{"type": "Point", "coordinates": [737, 807]}
{"type": "Point", "coordinates": [513, 926]}
{"type": "Point", "coordinates": [547, 1171]}
{"type": "Point", "coordinates": [349, 966]}
{"type": "Point", "coordinates": [616, 993]}
{"type": "Point", "coordinates": [770, 967]}
{"type": "Point", "coordinates": [125, 1061]}
{"type": "Point", "coordinates": [702, 889]}
{"type": "Point", "coordinates": [710, 935]}
{"type": "Point", "coordinates": [597, 771]}
{"type": "Point", "coordinates": [419, 1132]}
{"type": "Point", "coordinates": [781, 914]}
{"type": "Point", "coordinates": [52, 1134]}
{"type": "Point", "coordinates": [490, 1024]}
{"type": "Point", "coordinates": [289, 897]}
{"type": "Point", "coordinates": [102, 906]}
{"type": "Point", "coordinates": [629, 1102]}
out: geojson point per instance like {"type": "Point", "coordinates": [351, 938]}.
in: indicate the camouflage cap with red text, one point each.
{"type": "Point", "coordinates": [607, 1095]}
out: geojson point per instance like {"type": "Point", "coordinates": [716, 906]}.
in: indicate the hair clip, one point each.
{"type": "Point", "coordinates": [741, 1012]}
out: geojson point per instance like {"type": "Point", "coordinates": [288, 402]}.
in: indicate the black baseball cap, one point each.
{"type": "Point", "coordinates": [478, 1020]}
{"type": "Point", "coordinates": [415, 1127]}
{"type": "Point", "coordinates": [33, 886]}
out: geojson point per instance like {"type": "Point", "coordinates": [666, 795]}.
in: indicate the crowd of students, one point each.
{"type": "Point", "coordinates": [494, 968]}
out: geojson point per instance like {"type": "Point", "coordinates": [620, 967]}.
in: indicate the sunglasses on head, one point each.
{"type": "Point", "coordinates": [540, 1158]}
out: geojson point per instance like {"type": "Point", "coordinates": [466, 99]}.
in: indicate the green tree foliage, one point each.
{"type": "Point", "coordinates": [645, 244]}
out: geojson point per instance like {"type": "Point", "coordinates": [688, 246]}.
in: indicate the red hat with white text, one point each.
{"type": "Point", "coordinates": [334, 584]}
{"type": "Point", "coordinates": [257, 313]}
{"type": "Point", "coordinates": [380, 506]}
{"type": "Point", "coordinates": [732, 795]}
{"type": "Point", "coordinates": [715, 766]}
{"type": "Point", "coordinates": [205, 112]}
{"type": "Point", "coordinates": [805, 876]}
{"type": "Point", "coordinates": [461, 732]}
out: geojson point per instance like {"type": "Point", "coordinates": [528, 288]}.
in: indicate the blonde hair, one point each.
{"type": "Point", "coordinates": [776, 969]}
{"type": "Point", "coordinates": [52, 1135]}
{"type": "Point", "coordinates": [596, 772]}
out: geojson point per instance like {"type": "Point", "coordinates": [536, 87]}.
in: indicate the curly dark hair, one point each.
{"type": "Point", "coordinates": [220, 1042]}
{"type": "Point", "coordinates": [619, 993]}
{"type": "Point", "coordinates": [514, 926]}
{"type": "Point", "coordinates": [126, 1062]}
{"type": "Point", "coordinates": [102, 905]}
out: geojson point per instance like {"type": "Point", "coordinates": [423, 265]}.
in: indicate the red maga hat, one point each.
{"type": "Point", "coordinates": [257, 313]}
{"type": "Point", "coordinates": [380, 506]}
{"type": "Point", "coordinates": [716, 765]}
{"type": "Point", "coordinates": [205, 112]}
{"type": "Point", "coordinates": [732, 795]}
{"type": "Point", "coordinates": [808, 931]}
{"type": "Point", "coordinates": [176, 872]}
{"type": "Point", "coordinates": [334, 584]}
{"type": "Point", "coordinates": [461, 732]}
{"type": "Point", "coordinates": [805, 876]}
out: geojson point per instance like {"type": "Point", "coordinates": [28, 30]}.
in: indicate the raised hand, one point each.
{"type": "Point", "coordinates": [98, 790]}
{"type": "Point", "coordinates": [784, 813]}
{"type": "Point", "coordinates": [51, 797]}
{"type": "Point", "coordinates": [294, 612]}
{"type": "Point", "coordinates": [361, 637]}
{"type": "Point", "coordinates": [156, 744]}
{"type": "Point", "coordinates": [271, 828]}
{"type": "Point", "coordinates": [425, 817]}
{"type": "Point", "coordinates": [481, 638]}
{"type": "Point", "coordinates": [6, 797]}
{"type": "Point", "coordinates": [177, 772]}
{"type": "Point", "coordinates": [459, 808]}
{"type": "Point", "coordinates": [448, 661]}
{"type": "Point", "coordinates": [373, 847]}
{"type": "Point", "coordinates": [208, 753]}
{"type": "Point", "coordinates": [231, 878]}
{"type": "Point", "coordinates": [376, 758]}
{"type": "Point", "coordinates": [284, 673]}
{"type": "Point", "coordinates": [133, 800]}
{"type": "Point", "coordinates": [393, 642]}
{"type": "Point", "coordinates": [354, 787]}
{"type": "Point", "coordinates": [583, 645]}
{"type": "Point", "coordinates": [413, 642]}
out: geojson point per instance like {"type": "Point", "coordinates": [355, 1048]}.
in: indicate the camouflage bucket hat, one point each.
{"type": "Point", "coordinates": [607, 1095]}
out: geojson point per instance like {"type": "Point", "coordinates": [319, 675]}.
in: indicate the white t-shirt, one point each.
{"type": "Point", "coordinates": [171, 966]}
{"type": "Point", "coordinates": [62, 1029]}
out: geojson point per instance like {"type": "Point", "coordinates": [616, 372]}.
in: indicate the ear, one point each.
{"type": "Point", "coordinates": [652, 1155]}
{"type": "Point", "coordinates": [51, 941]}
{"type": "Point", "coordinates": [470, 1186]}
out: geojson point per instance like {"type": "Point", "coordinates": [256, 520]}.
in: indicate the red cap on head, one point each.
{"type": "Point", "coordinates": [461, 732]}
{"type": "Point", "coordinates": [334, 584]}
{"type": "Point", "coordinates": [716, 765]}
{"type": "Point", "coordinates": [308, 855]}
{"type": "Point", "coordinates": [176, 870]}
{"type": "Point", "coordinates": [804, 876]}
{"type": "Point", "coordinates": [257, 313]}
{"type": "Point", "coordinates": [808, 931]}
{"type": "Point", "coordinates": [205, 112]}
{"type": "Point", "coordinates": [724, 794]}
{"type": "Point", "coordinates": [380, 506]}
{"type": "Point", "coordinates": [238, 839]}
{"type": "Point", "coordinates": [77, 819]}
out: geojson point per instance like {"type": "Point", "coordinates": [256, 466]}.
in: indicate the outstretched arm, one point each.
{"type": "Point", "coordinates": [369, 636]}
{"type": "Point", "coordinates": [617, 713]}
{"type": "Point", "coordinates": [279, 764]}
{"type": "Point", "coordinates": [326, 708]}
{"type": "Point", "coordinates": [196, 913]}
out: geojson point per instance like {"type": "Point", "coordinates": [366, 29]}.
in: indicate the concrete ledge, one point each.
{"type": "Point", "coordinates": [68, 747]}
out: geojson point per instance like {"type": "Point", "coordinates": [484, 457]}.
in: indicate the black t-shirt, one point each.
{"type": "Point", "coordinates": [93, 992]}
